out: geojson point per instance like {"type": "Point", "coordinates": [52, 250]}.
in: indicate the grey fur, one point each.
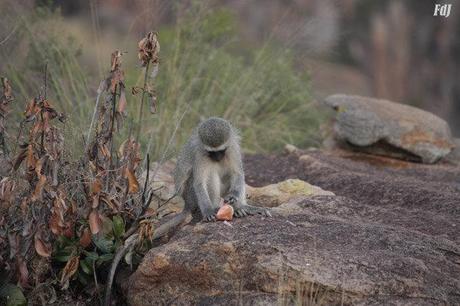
{"type": "Point", "coordinates": [214, 131]}
{"type": "Point", "coordinates": [202, 182]}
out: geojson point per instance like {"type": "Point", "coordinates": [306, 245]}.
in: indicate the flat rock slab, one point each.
{"type": "Point", "coordinates": [389, 128]}
{"type": "Point", "coordinates": [388, 236]}
{"type": "Point", "coordinates": [411, 195]}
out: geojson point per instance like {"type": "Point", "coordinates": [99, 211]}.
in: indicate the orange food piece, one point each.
{"type": "Point", "coordinates": [225, 213]}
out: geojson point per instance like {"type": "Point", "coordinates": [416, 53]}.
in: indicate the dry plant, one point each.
{"type": "Point", "coordinates": [64, 220]}
{"type": "Point", "coordinates": [149, 49]}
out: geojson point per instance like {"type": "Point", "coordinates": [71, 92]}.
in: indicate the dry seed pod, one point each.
{"type": "Point", "coordinates": [149, 47]}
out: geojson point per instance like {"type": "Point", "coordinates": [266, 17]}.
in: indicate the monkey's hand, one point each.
{"type": "Point", "coordinates": [248, 210]}
{"type": "Point", "coordinates": [230, 200]}
{"type": "Point", "coordinates": [209, 216]}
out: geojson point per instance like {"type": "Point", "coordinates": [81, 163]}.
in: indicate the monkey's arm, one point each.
{"type": "Point", "coordinates": [236, 190]}
{"type": "Point", "coordinates": [237, 198]}
{"type": "Point", "coordinates": [208, 211]}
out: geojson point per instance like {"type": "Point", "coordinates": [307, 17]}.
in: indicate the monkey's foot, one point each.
{"type": "Point", "coordinates": [209, 218]}
{"type": "Point", "coordinates": [248, 210]}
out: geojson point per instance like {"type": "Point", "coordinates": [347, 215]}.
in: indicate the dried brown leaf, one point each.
{"type": "Point", "coordinates": [42, 249]}
{"type": "Point", "coordinates": [69, 270]}
{"type": "Point", "coordinates": [96, 187]}
{"type": "Point", "coordinates": [149, 212]}
{"type": "Point", "coordinates": [68, 229]}
{"type": "Point", "coordinates": [105, 151]}
{"type": "Point", "coordinates": [31, 160]}
{"type": "Point", "coordinates": [7, 91]}
{"type": "Point", "coordinates": [122, 149]}
{"type": "Point", "coordinates": [95, 203]}
{"type": "Point", "coordinates": [116, 60]}
{"type": "Point", "coordinates": [31, 110]}
{"type": "Point", "coordinates": [53, 224]}
{"type": "Point", "coordinates": [149, 48]}
{"type": "Point", "coordinates": [133, 184]}
{"type": "Point", "coordinates": [116, 79]}
{"type": "Point", "coordinates": [7, 186]}
{"type": "Point", "coordinates": [146, 230]}
{"type": "Point", "coordinates": [19, 158]}
{"type": "Point", "coordinates": [23, 272]}
{"type": "Point", "coordinates": [37, 194]}
{"type": "Point", "coordinates": [95, 222]}
{"type": "Point", "coordinates": [122, 103]}
{"type": "Point", "coordinates": [85, 239]}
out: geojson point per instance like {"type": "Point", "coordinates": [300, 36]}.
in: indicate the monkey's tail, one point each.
{"type": "Point", "coordinates": [170, 224]}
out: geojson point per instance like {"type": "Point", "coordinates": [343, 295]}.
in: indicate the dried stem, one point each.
{"type": "Point", "coordinates": [141, 112]}
{"type": "Point", "coordinates": [93, 119]}
{"type": "Point", "coordinates": [114, 110]}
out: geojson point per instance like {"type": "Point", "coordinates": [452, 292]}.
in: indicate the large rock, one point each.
{"type": "Point", "coordinates": [322, 248]}
{"type": "Point", "coordinates": [389, 236]}
{"type": "Point", "coordinates": [389, 128]}
{"type": "Point", "coordinates": [162, 183]}
{"type": "Point", "coordinates": [454, 156]}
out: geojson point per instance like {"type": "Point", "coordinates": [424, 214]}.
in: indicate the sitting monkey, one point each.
{"type": "Point", "coordinates": [209, 168]}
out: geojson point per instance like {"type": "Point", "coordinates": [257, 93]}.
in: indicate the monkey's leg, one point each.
{"type": "Point", "coordinates": [208, 210]}
{"type": "Point", "coordinates": [236, 197]}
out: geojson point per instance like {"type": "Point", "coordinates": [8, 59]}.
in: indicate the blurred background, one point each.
{"type": "Point", "coordinates": [265, 65]}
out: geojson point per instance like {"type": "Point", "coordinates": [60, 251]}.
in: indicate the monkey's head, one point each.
{"type": "Point", "coordinates": [215, 134]}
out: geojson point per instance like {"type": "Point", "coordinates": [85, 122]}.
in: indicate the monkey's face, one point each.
{"type": "Point", "coordinates": [216, 155]}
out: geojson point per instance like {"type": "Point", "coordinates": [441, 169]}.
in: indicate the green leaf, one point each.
{"type": "Point", "coordinates": [83, 278]}
{"type": "Point", "coordinates": [107, 226]}
{"type": "Point", "coordinates": [63, 241]}
{"type": "Point", "coordinates": [87, 265]}
{"type": "Point", "coordinates": [118, 226]}
{"type": "Point", "coordinates": [13, 295]}
{"type": "Point", "coordinates": [105, 258]}
{"type": "Point", "coordinates": [103, 244]}
{"type": "Point", "coordinates": [62, 256]}
{"type": "Point", "coordinates": [91, 255]}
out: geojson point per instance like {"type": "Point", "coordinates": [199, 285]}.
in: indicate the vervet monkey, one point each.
{"type": "Point", "coordinates": [209, 168]}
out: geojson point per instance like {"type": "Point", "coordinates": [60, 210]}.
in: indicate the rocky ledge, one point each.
{"type": "Point", "coordinates": [377, 231]}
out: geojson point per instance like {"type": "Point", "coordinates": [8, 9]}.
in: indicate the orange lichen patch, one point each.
{"type": "Point", "coordinates": [160, 261]}
{"type": "Point", "coordinates": [379, 161]}
{"type": "Point", "coordinates": [416, 136]}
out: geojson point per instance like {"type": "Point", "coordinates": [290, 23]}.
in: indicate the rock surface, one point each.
{"type": "Point", "coordinates": [271, 195]}
{"type": "Point", "coordinates": [162, 181]}
{"type": "Point", "coordinates": [389, 236]}
{"type": "Point", "coordinates": [392, 129]}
